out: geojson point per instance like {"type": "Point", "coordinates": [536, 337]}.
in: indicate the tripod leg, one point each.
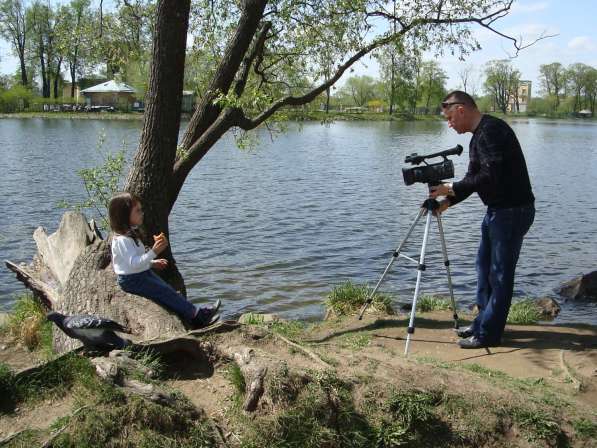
{"type": "Point", "coordinates": [447, 265]}
{"type": "Point", "coordinates": [394, 257]}
{"type": "Point", "coordinates": [420, 269]}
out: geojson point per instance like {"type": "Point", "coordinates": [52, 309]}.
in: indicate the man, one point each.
{"type": "Point", "coordinates": [497, 172]}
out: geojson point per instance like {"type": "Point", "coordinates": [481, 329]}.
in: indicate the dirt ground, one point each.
{"type": "Point", "coordinates": [563, 356]}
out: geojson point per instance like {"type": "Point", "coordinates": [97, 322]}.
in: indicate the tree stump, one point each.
{"type": "Point", "coordinates": [72, 274]}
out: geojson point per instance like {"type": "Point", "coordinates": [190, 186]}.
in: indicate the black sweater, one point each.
{"type": "Point", "coordinates": [497, 170]}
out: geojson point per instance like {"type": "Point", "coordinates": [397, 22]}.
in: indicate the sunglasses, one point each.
{"type": "Point", "coordinates": [446, 104]}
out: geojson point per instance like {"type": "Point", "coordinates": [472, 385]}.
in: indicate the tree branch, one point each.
{"type": "Point", "coordinates": [255, 54]}
{"type": "Point", "coordinates": [207, 112]}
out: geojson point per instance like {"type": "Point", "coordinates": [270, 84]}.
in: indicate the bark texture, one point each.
{"type": "Point", "coordinates": [89, 286]}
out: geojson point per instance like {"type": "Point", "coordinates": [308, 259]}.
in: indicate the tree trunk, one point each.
{"type": "Point", "coordinates": [154, 161]}
{"type": "Point", "coordinates": [57, 77]}
{"type": "Point", "coordinates": [24, 80]}
{"type": "Point", "coordinates": [45, 82]}
{"type": "Point", "coordinates": [73, 77]}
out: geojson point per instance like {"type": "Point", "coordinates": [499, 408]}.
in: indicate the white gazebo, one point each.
{"type": "Point", "coordinates": [110, 93]}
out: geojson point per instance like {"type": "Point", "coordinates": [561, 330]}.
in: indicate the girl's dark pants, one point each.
{"type": "Point", "coordinates": [150, 286]}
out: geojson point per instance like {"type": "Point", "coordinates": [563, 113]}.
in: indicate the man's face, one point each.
{"type": "Point", "coordinates": [455, 113]}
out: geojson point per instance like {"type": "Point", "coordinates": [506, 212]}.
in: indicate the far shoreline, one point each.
{"type": "Point", "coordinates": [293, 116]}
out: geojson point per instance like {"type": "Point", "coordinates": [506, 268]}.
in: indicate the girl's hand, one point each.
{"type": "Point", "coordinates": [159, 264]}
{"type": "Point", "coordinates": [161, 242]}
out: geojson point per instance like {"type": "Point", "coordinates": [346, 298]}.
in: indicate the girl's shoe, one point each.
{"type": "Point", "coordinates": [205, 317]}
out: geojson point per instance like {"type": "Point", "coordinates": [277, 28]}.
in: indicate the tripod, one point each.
{"type": "Point", "coordinates": [428, 208]}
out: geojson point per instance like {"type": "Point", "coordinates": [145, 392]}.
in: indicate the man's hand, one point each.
{"type": "Point", "coordinates": [443, 206]}
{"type": "Point", "coordinates": [440, 190]}
{"type": "Point", "coordinates": [159, 264]}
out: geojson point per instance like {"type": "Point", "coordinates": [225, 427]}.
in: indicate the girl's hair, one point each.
{"type": "Point", "coordinates": [119, 211]}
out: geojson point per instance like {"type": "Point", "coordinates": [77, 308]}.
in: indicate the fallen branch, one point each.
{"type": "Point", "coordinates": [49, 443]}
{"type": "Point", "coordinates": [306, 351]}
{"type": "Point", "coordinates": [578, 383]}
{"type": "Point", "coordinates": [12, 436]}
{"type": "Point", "coordinates": [43, 291]}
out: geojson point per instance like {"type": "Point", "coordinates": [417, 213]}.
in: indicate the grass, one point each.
{"type": "Point", "coordinates": [237, 379]}
{"type": "Point", "coordinates": [347, 298]}
{"type": "Point", "coordinates": [524, 312]}
{"type": "Point", "coordinates": [28, 325]}
{"type": "Point", "coordinates": [537, 424]}
{"type": "Point", "coordinates": [51, 380]}
{"type": "Point", "coordinates": [355, 341]}
{"type": "Point", "coordinates": [290, 329]}
{"type": "Point", "coordinates": [253, 319]}
{"type": "Point", "coordinates": [152, 365]}
{"type": "Point", "coordinates": [428, 303]}
{"type": "Point", "coordinates": [138, 422]}
{"type": "Point", "coordinates": [585, 428]}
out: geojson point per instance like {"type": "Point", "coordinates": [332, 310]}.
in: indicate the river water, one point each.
{"type": "Point", "coordinates": [273, 228]}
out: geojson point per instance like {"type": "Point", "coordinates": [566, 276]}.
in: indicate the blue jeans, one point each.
{"type": "Point", "coordinates": [152, 287]}
{"type": "Point", "coordinates": [502, 233]}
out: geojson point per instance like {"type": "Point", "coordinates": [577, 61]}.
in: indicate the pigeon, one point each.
{"type": "Point", "coordinates": [92, 331]}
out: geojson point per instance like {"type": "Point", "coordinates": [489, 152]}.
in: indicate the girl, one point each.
{"type": "Point", "coordinates": [133, 265]}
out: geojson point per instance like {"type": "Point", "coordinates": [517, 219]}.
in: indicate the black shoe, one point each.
{"type": "Point", "coordinates": [204, 318]}
{"type": "Point", "coordinates": [465, 332]}
{"type": "Point", "coordinates": [473, 342]}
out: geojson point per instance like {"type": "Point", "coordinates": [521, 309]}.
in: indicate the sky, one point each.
{"type": "Point", "coordinates": [572, 21]}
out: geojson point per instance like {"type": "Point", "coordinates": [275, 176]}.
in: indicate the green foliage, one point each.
{"type": "Point", "coordinates": [428, 303]}
{"type": "Point", "coordinates": [101, 182]}
{"type": "Point", "coordinates": [501, 82]}
{"type": "Point", "coordinates": [347, 298]}
{"type": "Point", "coordinates": [524, 312]}
{"type": "Point", "coordinates": [15, 99]}
{"type": "Point", "coordinates": [27, 324]}
{"type": "Point", "coordinates": [585, 428]}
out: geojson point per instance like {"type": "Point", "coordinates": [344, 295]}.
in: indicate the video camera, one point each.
{"type": "Point", "coordinates": [433, 173]}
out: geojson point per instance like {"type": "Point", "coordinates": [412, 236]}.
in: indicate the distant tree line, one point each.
{"type": "Point", "coordinates": [410, 85]}
{"type": "Point", "coordinates": [83, 43]}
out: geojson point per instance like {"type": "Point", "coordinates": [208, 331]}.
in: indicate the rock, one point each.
{"type": "Point", "coordinates": [580, 288]}
{"type": "Point", "coordinates": [406, 307]}
{"type": "Point", "coordinates": [548, 307]}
